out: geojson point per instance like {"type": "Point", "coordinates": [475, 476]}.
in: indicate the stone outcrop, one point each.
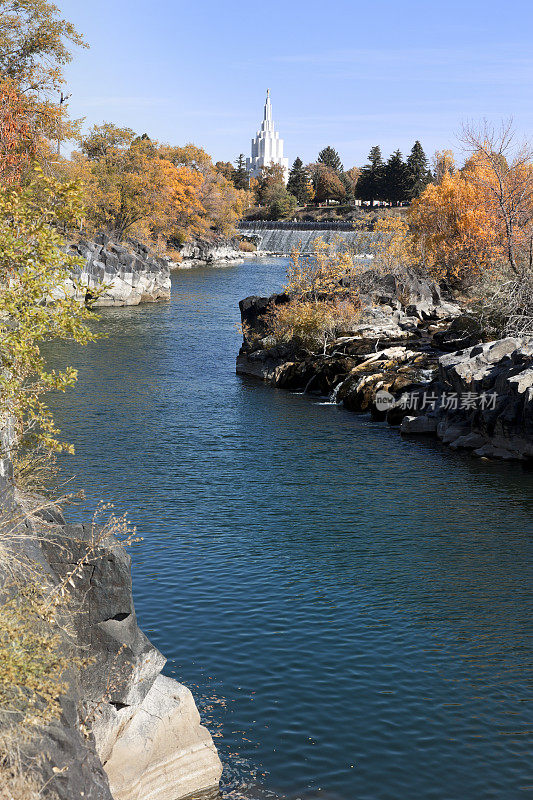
{"type": "Point", "coordinates": [202, 252]}
{"type": "Point", "coordinates": [130, 273]}
{"type": "Point", "coordinates": [494, 386]}
{"type": "Point", "coordinates": [126, 732]}
{"type": "Point", "coordinates": [406, 344]}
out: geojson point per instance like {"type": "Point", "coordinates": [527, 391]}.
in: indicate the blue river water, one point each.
{"type": "Point", "coordinates": [352, 610]}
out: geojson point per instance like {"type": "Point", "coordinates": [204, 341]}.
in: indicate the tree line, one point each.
{"type": "Point", "coordinates": [395, 181]}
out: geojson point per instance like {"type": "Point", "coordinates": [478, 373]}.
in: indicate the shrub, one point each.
{"type": "Point", "coordinates": [246, 246]}
{"type": "Point", "coordinates": [312, 325]}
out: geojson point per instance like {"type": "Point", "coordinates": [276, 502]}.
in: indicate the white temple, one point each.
{"type": "Point", "coordinates": [267, 147]}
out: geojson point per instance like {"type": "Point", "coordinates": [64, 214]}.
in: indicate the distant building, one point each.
{"type": "Point", "coordinates": [267, 147]}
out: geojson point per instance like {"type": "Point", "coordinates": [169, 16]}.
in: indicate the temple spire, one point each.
{"type": "Point", "coordinates": [267, 147]}
{"type": "Point", "coordinates": [268, 108]}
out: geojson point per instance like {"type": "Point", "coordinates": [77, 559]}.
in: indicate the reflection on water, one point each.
{"type": "Point", "coordinates": [351, 610]}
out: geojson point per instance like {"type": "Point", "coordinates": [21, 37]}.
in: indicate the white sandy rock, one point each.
{"type": "Point", "coordinates": [163, 752]}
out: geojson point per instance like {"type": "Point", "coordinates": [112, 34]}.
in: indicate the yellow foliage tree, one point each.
{"type": "Point", "coordinates": [454, 230]}
{"type": "Point", "coordinates": [320, 275]}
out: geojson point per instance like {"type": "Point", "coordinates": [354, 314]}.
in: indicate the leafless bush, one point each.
{"type": "Point", "coordinates": [504, 305]}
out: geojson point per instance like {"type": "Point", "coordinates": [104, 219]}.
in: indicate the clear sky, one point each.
{"type": "Point", "coordinates": [350, 73]}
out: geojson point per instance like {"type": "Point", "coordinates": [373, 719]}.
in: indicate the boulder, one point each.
{"type": "Point", "coordinates": [121, 721]}
{"type": "Point", "coordinates": [418, 425]}
{"type": "Point", "coordinates": [163, 752]}
{"type": "Point", "coordinates": [463, 332]}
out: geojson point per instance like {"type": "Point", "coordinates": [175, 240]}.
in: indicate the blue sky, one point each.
{"type": "Point", "coordinates": [346, 73]}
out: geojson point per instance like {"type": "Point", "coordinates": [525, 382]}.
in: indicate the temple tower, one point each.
{"type": "Point", "coordinates": [267, 147]}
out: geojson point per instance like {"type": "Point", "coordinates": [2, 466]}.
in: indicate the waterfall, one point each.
{"type": "Point", "coordinates": [333, 398]}
{"type": "Point", "coordinates": [282, 241]}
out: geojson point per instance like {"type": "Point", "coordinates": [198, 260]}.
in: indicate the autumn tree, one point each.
{"type": "Point", "coordinates": [478, 219]}
{"type": "Point", "coordinates": [221, 204]}
{"type": "Point", "coordinates": [225, 168]}
{"type": "Point", "coordinates": [105, 139]}
{"type": "Point", "coordinates": [327, 184]}
{"type": "Point", "coordinates": [350, 179]}
{"type": "Point", "coordinates": [323, 303]}
{"type": "Point", "coordinates": [17, 134]}
{"type": "Point", "coordinates": [34, 303]}
{"type": "Point", "coordinates": [443, 163]}
{"type": "Point", "coordinates": [271, 175]}
{"type": "Point", "coordinates": [454, 230]}
{"type": "Point", "coordinates": [35, 44]}
{"type": "Point", "coordinates": [279, 202]}
{"type": "Point", "coordinates": [299, 183]}
{"type": "Point", "coordinates": [132, 190]}
{"type": "Point", "coordinates": [503, 172]}
{"type": "Point", "coordinates": [272, 194]}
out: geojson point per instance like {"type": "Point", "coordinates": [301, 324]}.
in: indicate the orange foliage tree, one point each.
{"type": "Point", "coordinates": [478, 218]}
{"type": "Point", "coordinates": [17, 139]}
{"type": "Point", "coordinates": [453, 229]}
{"type": "Point", "coordinates": [221, 203]}
{"type": "Point", "coordinates": [131, 189]}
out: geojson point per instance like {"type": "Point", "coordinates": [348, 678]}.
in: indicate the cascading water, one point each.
{"type": "Point", "coordinates": [282, 241]}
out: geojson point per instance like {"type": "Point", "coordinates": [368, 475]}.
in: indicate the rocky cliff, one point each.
{"type": "Point", "coordinates": [413, 359]}
{"type": "Point", "coordinates": [130, 273]}
{"type": "Point", "coordinates": [126, 732]}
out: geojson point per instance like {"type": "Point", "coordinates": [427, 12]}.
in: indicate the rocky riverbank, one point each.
{"type": "Point", "coordinates": [126, 732]}
{"type": "Point", "coordinates": [130, 273]}
{"type": "Point", "coordinates": [200, 253]}
{"type": "Point", "coordinates": [414, 359]}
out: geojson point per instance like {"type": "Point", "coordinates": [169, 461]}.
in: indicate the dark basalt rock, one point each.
{"type": "Point", "coordinates": [463, 332]}
{"type": "Point", "coordinates": [253, 308]}
{"type": "Point", "coordinates": [131, 272]}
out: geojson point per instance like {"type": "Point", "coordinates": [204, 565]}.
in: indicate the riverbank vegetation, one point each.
{"type": "Point", "coordinates": [470, 230]}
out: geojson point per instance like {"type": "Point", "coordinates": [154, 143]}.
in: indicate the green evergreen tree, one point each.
{"type": "Point", "coordinates": [396, 182]}
{"type": "Point", "coordinates": [370, 183]}
{"type": "Point", "coordinates": [298, 184]}
{"type": "Point", "coordinates": [331, 159]}
{"type": "Point", "coordinates": [241, 179]}
{"type": "Point", "coordinates": [419, 174]}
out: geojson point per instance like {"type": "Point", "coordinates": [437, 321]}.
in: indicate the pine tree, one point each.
{"type": "Point", "coordinates": [330, 158]}
{"type": "Point", "coordinates": [298, 184]}
{"type": "Point", "coordinates": [396, 179]}
{"type": "Point", "coordinates": [419, 174]}
{"type": "Point", "coordinates": [370, 183]}
{"type": "Point", "coordinates": [241, 179]}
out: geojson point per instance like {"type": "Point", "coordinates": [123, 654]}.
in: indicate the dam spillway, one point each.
{"type": "Point", "coordinates": [282, 238]}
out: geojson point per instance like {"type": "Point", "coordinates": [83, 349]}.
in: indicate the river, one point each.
{"type": "Point", "coordinates": [352, 610]}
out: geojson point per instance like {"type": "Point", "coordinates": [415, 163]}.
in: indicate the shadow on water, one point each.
{"type": "Point", "coordinates": [351, 609]}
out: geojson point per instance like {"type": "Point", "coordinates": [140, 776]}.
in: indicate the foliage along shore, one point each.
{"type": "Point", "coordinates": [478, 397]}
